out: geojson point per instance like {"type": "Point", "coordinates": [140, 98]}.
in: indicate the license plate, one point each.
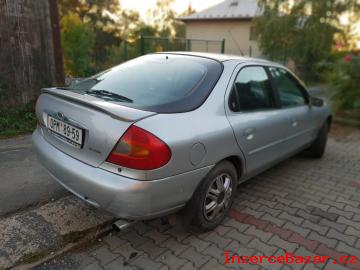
{"type": "Point", "coordinates": [65, 131]}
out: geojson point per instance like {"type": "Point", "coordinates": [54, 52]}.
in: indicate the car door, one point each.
{"type": "Point", "coordinates": [294, 101]}
{"type": "Point", "coordinates": [258, 124]}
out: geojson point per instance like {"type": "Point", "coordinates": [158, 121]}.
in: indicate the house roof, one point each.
{"type": "Point", "coordinates": [227, 10]}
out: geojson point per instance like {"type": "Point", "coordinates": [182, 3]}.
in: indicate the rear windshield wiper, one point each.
{"type": "Point", "coordinates": [107, 94]}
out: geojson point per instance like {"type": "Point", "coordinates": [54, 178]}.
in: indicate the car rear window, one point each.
{"type": "Point", "coordinates": [164, 83]}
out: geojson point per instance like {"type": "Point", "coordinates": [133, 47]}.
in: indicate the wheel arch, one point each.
{"type": "Point", "coordinates": [238, 164]}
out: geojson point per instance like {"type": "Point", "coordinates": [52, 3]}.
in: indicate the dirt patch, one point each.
{"type": "Point", "coordinates": [344, 133]}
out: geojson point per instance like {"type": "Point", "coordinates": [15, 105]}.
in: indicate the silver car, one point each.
{"type": "Point", "coordinates": [176, 131]}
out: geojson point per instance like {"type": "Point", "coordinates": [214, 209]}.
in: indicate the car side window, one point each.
{"type": "Point", "coordinates": [289, 89]}
{"type": "Point", "coordinates": [251, 91]}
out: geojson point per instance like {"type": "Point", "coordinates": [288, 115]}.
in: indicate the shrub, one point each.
{"type": "Point", "coordinates": [345, 83]}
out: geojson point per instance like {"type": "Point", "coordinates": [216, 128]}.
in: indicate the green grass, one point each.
{"type": "Point", "coordinates": [17, 120]}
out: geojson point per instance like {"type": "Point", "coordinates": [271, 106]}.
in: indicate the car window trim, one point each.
{"type": "Point", "coordinates": [301, 87]}
{"type": "Point", "coordinates": [272, 93]}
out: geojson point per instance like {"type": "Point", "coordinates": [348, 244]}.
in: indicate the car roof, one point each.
{"type": "Point", "coordinates": [222, 57]}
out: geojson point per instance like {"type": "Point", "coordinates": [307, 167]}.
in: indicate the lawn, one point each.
{"type": "Point", "coordinates": [17, 121]}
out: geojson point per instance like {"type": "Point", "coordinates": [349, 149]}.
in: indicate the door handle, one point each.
{"type": "Point", "coordinates": [249, 133]}
{"type": "Point", "coordinates": [294, 122]}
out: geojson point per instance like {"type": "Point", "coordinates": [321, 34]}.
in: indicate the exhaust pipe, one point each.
{"type": "Point", "coordinates": [122, 224]}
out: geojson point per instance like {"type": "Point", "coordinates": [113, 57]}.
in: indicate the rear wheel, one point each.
{"type": "Point", "coordinates": [317, 148]}
{"type": "Point", "coordinates": [212, 200]}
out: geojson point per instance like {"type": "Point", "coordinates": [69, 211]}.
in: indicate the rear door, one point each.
{"type": "Point", "coordinates": [294, 101]}
{"type": "Point", "coordinates": [259, 126]}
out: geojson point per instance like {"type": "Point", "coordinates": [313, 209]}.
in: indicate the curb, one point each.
{"type": "Point", "coordinates": [34, 236]}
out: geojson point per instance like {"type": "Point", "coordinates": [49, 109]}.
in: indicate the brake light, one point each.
{"type": "Point", "coordinates": [141, 150]}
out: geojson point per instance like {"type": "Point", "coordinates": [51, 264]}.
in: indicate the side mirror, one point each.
{"type": "Point", "coordinates": [317, 102]}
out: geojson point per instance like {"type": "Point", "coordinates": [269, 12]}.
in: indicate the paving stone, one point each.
{"type": "Point", "coordinates": [82, 259]}
{"type": "Point", "coordinates": [315, 227]}
{"type": "Point", "coordinates": [174, 245]}
{"type": "Point", "coordinates": [119, 263]}
{"type": "Point", "coordinates": [241, 227]}
{"type": "Point", "coordinates": [104, 255]}
{"type": "Point", "coordinates": [348, 222]}
{"type": "Point", "coordinates": [240, 237]}
{"type": "Point", "coordinates": [222, 230]}
{"type": "Point", "coordinates": [347, 201]}
{"type": "Point", "coordinates": [291, 218]}
{"type": "Point", "coordinates": [213, 265]}
{"type": "Point", "coordinates": [178, 234]}
{"type": "Point", "coordinates": [134, 238]}
{"type": "Point", "coordinates": [300, 230]}
{"type": "Point", "coordinates": [252, 212]}
{"type": "Point", "coordinates": [335, 225]}
{"type": "Point", "coordinates": [113, 241]}
{"type": "Point", "coordinates": [172, 261]}
{"type": "Point", "coordinates": [278, 221]}
{"type": "Point", "coordinates": [280, 243]}
{"type": "Point", "coordinates": [350, 240]}
{"type": "Point", "coordinates": [127, 252]}
{"type": "Point", "coordinates": [286, 208]}
{"type": "Point", "coordinates": [346, 214]}
{"type": "Point", "coordinates": [197, 243]}
{"type": "Point", "coordinates": [262, 247]}
{"type": "Point", "coordinates": [144, 262]}
{"type": "Point", "coordinates": [325, 240]}
{"type": "Point", "coordinates": [195, 257]}
{"type": "Point", "coordinates": [272, 211]}
{"type": "Point", "coordinates": [342, 247]}
{"type": "Point", "coordinates": [240, 249]}
{"type": "Point", "coordinates": [151, 249]}
{"type": "Point", "coordinates": [352, 209]}
{"type": "Point", "coordinates": [338, 205]}
{"type": "Point", "coordinates": [93, 266]}
{"type": "Point", "coordinates": [218, 240]}
{"type": "Point", "coordinates": [215, 252]}
{"type": "Point", "coordinates": [157, 236]}
{"type": "Point", "coordinates": [307, 216]}
{"type": "Point", "coordinates": [326, 215]}
{"type": "Point", "coordinates": [188, 266]}
{"type": "Point", "coordinates": [332, 265]}
{"type": "Point", "coordinates": [264, 236]}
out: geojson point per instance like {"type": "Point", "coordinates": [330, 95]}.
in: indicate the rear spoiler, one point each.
{"type": "Point", "coordinates": [116, 111]}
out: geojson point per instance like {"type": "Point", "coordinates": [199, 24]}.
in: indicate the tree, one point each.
{"type": "Point", "coordinates": [78, 41]}
{"type": "Point", "coordinates": [303, 31]}
{"type": "Point", "coordinates": [102, 16]}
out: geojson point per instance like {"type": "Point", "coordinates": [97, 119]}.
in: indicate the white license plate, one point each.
{"type": "Point", "coordinates": [65, 131]}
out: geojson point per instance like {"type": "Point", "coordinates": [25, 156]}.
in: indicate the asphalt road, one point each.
{"type": "Point", "coordinates": [23, 182]}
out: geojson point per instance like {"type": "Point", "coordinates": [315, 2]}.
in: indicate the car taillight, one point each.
{"type": "Point", "coordinates": [141, 150]}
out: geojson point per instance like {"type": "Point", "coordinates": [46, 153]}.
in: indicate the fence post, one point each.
{"type": "Point", "coordinates": [188, 45]}
{"type": "Point", "coordinates": [223, 46]}
{"type": "Point", "coordinates": [142, 45]}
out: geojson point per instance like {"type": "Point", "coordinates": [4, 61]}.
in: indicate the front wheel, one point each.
{"type": "Point", "coordinates": [212, 199]}
{"type": "Point", "coordinates": [317, 148]}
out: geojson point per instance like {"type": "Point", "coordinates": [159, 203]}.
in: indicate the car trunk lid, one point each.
{"type": "Point", "coordinates": [102, 123]}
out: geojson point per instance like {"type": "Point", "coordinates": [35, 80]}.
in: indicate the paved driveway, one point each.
{"type": "Point", "coordinates": [306, 207]}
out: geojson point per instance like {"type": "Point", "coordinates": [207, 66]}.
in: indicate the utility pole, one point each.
{"type": "Point", "coordinates": [56, 37]}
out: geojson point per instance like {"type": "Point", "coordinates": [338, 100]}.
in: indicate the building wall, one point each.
{"type": "Point", "coordinates": [235, 33]}
{"type": "Point", "coordinates": [26, 50]}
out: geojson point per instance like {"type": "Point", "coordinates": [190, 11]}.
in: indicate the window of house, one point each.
{"type": "Point", "coordinates": [251, 91]}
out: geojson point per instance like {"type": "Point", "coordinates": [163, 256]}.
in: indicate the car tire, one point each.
{"type": "Point", "coordinates": [317, 148]}
{"type": "Point", "coordinates": [198, 215]}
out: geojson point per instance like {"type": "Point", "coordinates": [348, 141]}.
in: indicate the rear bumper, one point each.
{"type": "Point", "coordinates": [121, 196]}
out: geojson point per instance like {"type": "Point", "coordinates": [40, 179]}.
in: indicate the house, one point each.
{"type": "Point", "coordinates": [231, 21]}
